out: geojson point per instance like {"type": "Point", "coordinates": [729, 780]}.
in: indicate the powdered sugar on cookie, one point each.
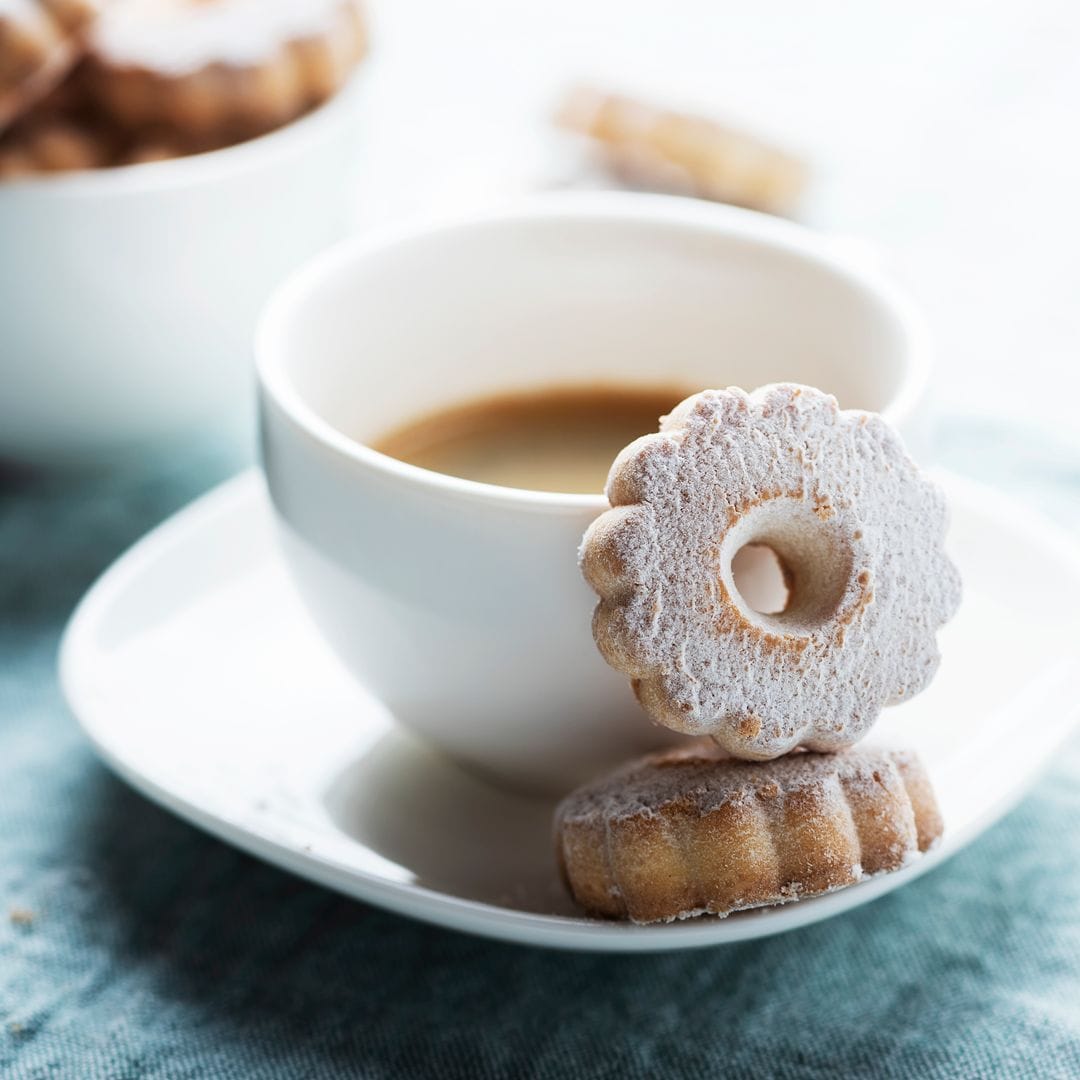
{"type": "Point", "coordinates": [183, 36]}
{"type": "Point", "coordinates": [220, 71]}
{"type": "Point", "coordinates": [684, 832]}
{"type": "Point", "coordinates": [857, 527]}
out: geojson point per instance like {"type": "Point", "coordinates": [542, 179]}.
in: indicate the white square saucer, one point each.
{"type": "Point", "coordinates": [195, 672]}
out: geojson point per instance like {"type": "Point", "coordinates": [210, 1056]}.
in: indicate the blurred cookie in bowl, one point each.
{"type": "Point", "coordinates": [151, 200]}
{"type": "Point", "coordinates": [40, 42]}
{"type": "Point", "coordinates": [53, 136]}
{"type": "Point", "coordinates": [165, 78]}
{"type": "Point", "coordinates": [220, 71]}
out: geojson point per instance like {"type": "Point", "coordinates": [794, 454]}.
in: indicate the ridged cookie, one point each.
{"type": "Point", "coordinates": [859, 531]}
{"type": "Point", "coordinates": [686, 832]}
{"type": "Point", "coordinates": [50, 145]}
{"type": "Point", "coordinates": [220, 71]}
{"type": "Point", "coordinates": [673, 151]}
{"type": "Point", "coordinates": [39, 44]}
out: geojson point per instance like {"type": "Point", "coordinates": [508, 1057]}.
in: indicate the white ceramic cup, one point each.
{"type": "Point", "coordinates": [128, 296]}
{"type": "Point", "coordinates": [458, 603]}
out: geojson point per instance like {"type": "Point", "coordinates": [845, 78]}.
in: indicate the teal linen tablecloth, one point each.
{"type": "Point", "coordinates": [131, 945]}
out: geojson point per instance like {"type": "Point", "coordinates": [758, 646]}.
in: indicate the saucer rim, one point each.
{"type": "Point", "coordinates": [473, 916]}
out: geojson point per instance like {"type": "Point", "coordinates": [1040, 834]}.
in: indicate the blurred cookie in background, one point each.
{"type": "Point", "coordinates": [39, 45]}
{"type": "Point", "coordinates": [57, 134]}
{"type": "Point", "coordinates": [156, 79]}
{"type": "Point", "coordinates": [683, 153]}
{"type": "Point", "coordinates": [220, 71]}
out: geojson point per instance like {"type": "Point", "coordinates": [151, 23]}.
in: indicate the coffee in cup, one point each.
{"type": "Point", "coordinates": [556, 438]}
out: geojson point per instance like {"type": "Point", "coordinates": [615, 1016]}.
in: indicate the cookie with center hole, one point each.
{"type": "Point", "coordinates": [855, 527]}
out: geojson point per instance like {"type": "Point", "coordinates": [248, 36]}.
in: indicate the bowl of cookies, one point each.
{"type": "Point", "coordinates": [163, 163]}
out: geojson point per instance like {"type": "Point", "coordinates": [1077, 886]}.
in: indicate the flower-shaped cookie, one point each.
{"type": "Point", "coordinates": [857, 529]}
{"type": "Point", "coordinates": [216, 73]}
{"type": "Point", "coordinates": [38, 46]}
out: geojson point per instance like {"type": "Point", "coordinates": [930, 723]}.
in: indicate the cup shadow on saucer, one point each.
{"type": "Point", "coordinates": [447, 830]}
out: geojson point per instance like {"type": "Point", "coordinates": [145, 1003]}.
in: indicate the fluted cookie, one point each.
{"type": "Point", "coordinates": [659, 148]}
{"type": "Point", "coordinates": [688, 832]}
{"type": "Point", "coordinates": [52, 145]}
{"type": "Point", "coordinates": [858, 530]}
{"type": "Point", "coordinates": [220, 71]}
{"type": "Point", "coordinates": [39, 44]}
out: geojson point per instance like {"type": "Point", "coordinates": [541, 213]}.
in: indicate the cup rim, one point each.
{"type": "Point", "coordinates": [275, 382]}
{"type": "Point", "coordinates": [191, 169]}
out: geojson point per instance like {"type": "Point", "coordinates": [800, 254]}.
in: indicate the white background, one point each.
{"type": "Point", "coordinates": [943, 137]}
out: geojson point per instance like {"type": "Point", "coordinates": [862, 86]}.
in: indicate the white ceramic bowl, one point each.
{"type": "Point", "coordinates": [460, 604]}
{"type": "Point", "coordinates": [130, 294]}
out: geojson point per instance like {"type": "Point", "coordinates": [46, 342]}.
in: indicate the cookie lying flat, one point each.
{"type": "Point", "coordinates": [39, 44]}
{"type": "Point", "coordinates": [217, 71]}
{"type": "Point", "coordinates": [857, 527]}
{"type": "Point", "coordinates": [51, 145]}
{"type": "Point", "coordinates": [686, 832]}
{"type": "Point", "coordinates": [673, 151]}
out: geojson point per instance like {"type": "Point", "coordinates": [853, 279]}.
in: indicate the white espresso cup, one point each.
{"type": "Point", "coordinates": [460, 604]}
